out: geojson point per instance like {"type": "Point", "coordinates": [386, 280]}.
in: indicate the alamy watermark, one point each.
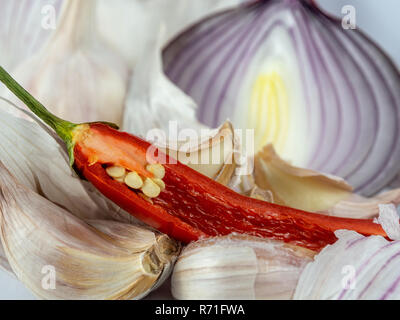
{"type": "Point", "coordinates": [49, 17]}
{"type": "Point", "coordinates": [349, 17]}
{"type": "Point", "coordinates": [349, 278]}
{"type": "Point", "coordinates": [181, 145]}
{"type": "Point", "coordinates": [49, 279]}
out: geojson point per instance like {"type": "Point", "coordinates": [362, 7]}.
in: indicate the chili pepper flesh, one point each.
{"type": "Point", "coordinates": [193, 206]}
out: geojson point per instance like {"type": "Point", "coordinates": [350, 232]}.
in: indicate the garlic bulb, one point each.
{"type": "Point", "coordinates": [238, 267]}
{"type": "Point", "coordinates": [76, 75]}
{"type": "Point", "coordinates": [58, 256]}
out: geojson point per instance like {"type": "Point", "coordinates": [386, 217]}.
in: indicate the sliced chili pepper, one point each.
{"type": "Point", "coordinates": [194, 206]}
{"type": "Point", "coordinates": [191, 206]}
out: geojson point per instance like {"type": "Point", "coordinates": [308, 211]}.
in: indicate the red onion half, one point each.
{"type": "Point", "coordinates": [327, 97]}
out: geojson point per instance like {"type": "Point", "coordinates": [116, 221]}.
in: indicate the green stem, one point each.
{"type": "Point", "coordinates": [62, 127]}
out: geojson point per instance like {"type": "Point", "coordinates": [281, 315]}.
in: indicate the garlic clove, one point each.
{"type": "Point", "coordinates": [76, 74]}
{"type": "Point", "coordinates": [28, 25]}
{"type": "Point", "coordinates": [238, 267]}
{"type": "Point", "coordinates": [213, 157]}
{"type": "Point", "coordinates": [107, 260]}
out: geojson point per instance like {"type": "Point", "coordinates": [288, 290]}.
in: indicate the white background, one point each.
{"type": "Point", "coordinates": [380, 19]}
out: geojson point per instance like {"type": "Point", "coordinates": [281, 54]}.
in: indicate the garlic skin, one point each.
{"type": "Point", "coordinates": [120, 20]}
{"type": "Point", "coordinates": [153, 101]}
{"type": "Point", "coordinates": [212, 154]}
{"type": "Point", "coordinates": [103, 260]}
{"type": "Point", "coordinates": [76, 75]}
{"type": "Point", "coordinates": [356, 206]}
{"type": "Point", "coordinates": [25, 28]}
{"type": "Point", "coordinates": [3, 260]}
{"type": "Point", "coordinates": [314, 191]}
{"type": "Point", "coordinates": [238, 267]}
{"type": "Point", "coordinates": [297, 187]}
{"type": "Point", "coordinates": [261, 194]}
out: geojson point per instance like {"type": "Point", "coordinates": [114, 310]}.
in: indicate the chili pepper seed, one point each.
{"type": "Point", "coordinates": [115, 171]}
{"type": "Point", "coordinates": [150, 188]}
{"type": "Point", "coordinates": [133, 180]}
{"type": "Point", "coordinates": [157, 169]}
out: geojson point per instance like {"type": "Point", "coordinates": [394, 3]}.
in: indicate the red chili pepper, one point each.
{"type": "Point", "coordinates": [192, 206]}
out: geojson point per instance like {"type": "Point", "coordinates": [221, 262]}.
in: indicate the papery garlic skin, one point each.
{"type": "Point", "coordinates": [153, 102]}
{"type": "Point", "coordinates": [356, 206]}
{"type": "Point", "coordinates": [108, 260]}
{"type": "Point", "coordinates": [22, 33]}
{"type": "Point", "coordinates": [297, 187]}
{"type": "Point", "coordinates": [121, 21]}
{"type": "Point", "coordinates": [3, 260]}
{"type": "Point", "coordinates": [76, 75]}
{"type": "Point", "coordinates": [25, 26]}
{"type": "Point", "coordinates": [314, 191]}
{"type": "Point", "coordinates": [238, 267]}
{"type": "Point", "coordinates": [213, 154]}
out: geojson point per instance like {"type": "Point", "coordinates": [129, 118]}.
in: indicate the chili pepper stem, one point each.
{"type": "Point", "coordinates": [63, 128]}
